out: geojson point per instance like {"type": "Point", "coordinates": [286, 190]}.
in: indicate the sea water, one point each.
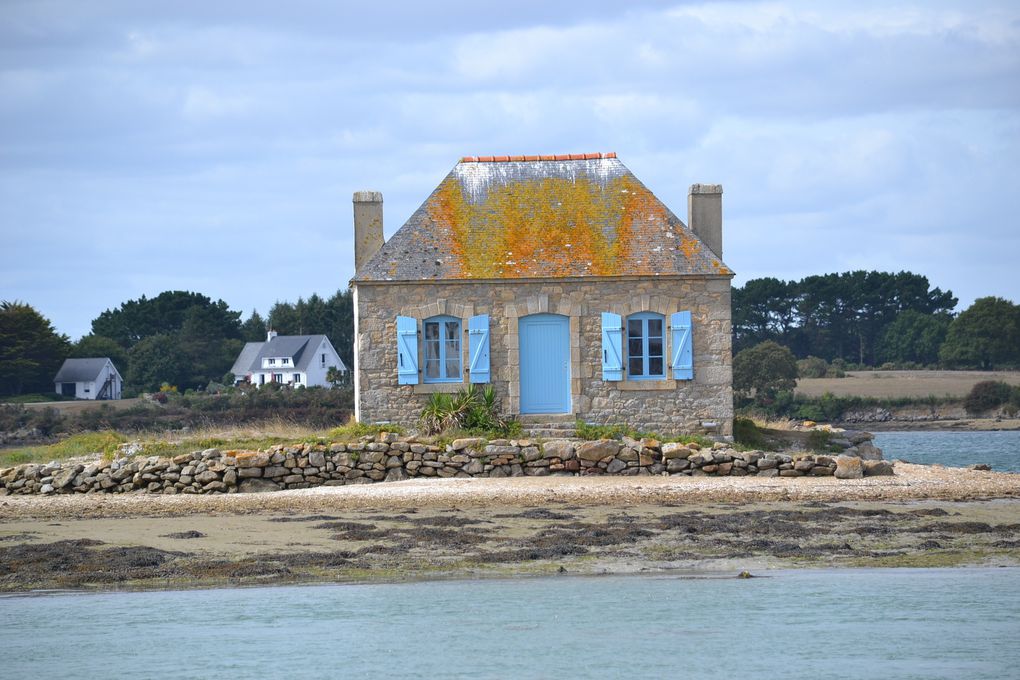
{"type": "Point", "coordinates": [1001, 450]}
{"type": "Point", "coordinates": [811, 624]}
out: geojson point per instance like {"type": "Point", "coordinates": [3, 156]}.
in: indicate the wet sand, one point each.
{"type": "Point", "coordinates": [923, 516]}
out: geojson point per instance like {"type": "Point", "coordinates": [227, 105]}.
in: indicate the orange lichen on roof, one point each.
{"type": "Point", "coordinates": [548, 227]}
{"type": "Point", "coordinates": [689, 246]}
{"type": "Point", "coordinates": [720, 268]}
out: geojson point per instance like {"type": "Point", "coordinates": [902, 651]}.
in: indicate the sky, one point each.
{"type": "Point", "coordinates": [214, 146]}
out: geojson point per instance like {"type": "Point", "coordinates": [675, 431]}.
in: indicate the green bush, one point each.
{"type": "Point", "coordinates": [812, 367]}
{"type": "Point", "coordinates": [819, 440]}
{"type": "Point", "coordinates": [472, 410]}
{"type": "Point", "coordinates": [987, 395]}
{"type": "Point", "coordinates": [746, 433]}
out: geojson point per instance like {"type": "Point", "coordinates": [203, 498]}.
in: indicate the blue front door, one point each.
{"type": "Point", "coordinates": [545, 363]}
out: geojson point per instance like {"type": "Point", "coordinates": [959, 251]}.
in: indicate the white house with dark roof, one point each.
{"type": "Point", "coordinates": [293, 360]}
{"type": "Point", "coordinates": [94, 378]}
{"type": "Point", "coordinates": [562, 282]}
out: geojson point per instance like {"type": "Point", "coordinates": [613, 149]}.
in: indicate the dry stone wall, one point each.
{"type": "Point", "coordinates": [391, 458]}
{"type": "Point", "coordinates": [700, 405]}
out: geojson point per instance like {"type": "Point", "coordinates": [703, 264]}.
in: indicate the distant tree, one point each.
{"type": "Point", "coordinates": [763, 309]}
{"type": "Point", "coordinates": [764, 370]}
{"type": "Point", "coordinates": [98, 346]}
{"type": "Point", "coordinates": [333, 318]}
{"type": "Point", "coordinates": [334, 376]}
{"type": "Point", "coordinates": [156, 360]}
{"type": "Point", "coordinates": [914, 337]}
{"type": "Point", "coordinates": [206, 335]}
{"type": "Point", "coordinates": [254, 328]}
{"type": "Point", "coordinates": [164, 314]}
{"type": "Point", "coordinates": [832, 316]}
{"type": "Point", "coordinates": [986, 335]}
{"type": "Point", "coordinates": [31, 350]}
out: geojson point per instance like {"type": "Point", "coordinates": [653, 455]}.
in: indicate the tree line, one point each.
{"type": "Point", "coordinates": [188, 340]}
{"type": "Point", "coordinates": [179, 338]}
{"type": "Point", "coordinates": [872, 318]}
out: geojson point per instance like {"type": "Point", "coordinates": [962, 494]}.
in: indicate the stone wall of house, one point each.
{"type": "Point", "coordinates": [704, 404]}
{"type": "Point", "coordinates": [388, 457]}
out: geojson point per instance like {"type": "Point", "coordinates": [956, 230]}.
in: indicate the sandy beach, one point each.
{"type": "Point", "coordinates": [439, 528]}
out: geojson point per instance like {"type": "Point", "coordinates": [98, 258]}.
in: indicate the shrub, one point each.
{"type": "Point", "coordinates": [812, 367]}
{"type": "Point", "coordinates": [987, 395]}
{"type": "Point", "coordinates": [469, 409]}
{"type": "Point", "coordinates": [746, 433]}
{"type": "Point", "coordinates": [818, 440]}
{"type": "Point", "coordinates": [764, 370]}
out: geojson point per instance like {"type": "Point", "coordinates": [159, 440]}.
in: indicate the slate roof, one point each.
{"type": "Point", "coordinates": [515, 217]}
{"type": "Point", "coordinates": [243, 365]}
{"type": "Point", "coordinates": [81, 370]}
{"type": "Point", "coordinates": [301, 349]}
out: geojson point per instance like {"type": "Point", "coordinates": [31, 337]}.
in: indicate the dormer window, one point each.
{"type": "Point", "coordinates": [272, 362]}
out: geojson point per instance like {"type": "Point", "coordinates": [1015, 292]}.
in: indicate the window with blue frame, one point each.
{"type": "Point", "coordinates": [645, 346]}
{"type": "Point", "coordinates": [442, 349]}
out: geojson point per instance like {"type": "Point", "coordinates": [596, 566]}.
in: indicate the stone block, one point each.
{"type": "Point", "coordinates": [595, 451]}
{"type": "Point", "coordinates": [848, 467]}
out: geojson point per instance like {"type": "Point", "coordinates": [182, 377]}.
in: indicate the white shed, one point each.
{"type": "Point", "coordinates": [94, 378]}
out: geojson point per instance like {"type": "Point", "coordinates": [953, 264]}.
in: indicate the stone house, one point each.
{"type": "Point", "coordinates": [89, 378]}
{"type": "Point", "coordinates": [563, 282]}
{"type": "Point", "coordinates": [293, 360]}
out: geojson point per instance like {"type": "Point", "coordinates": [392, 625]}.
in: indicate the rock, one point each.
{"type": "Point", "coordinates": [615, 466]}
{"type": "Point", "coordinates": [249, 459]}
{"type": "Point", "coordinates": [868, 451]}
{"type": "Point", "coordinates": [466, 443]}
{"type": "Point", "coordinates": [207, 477]}
{"type": "Point", "coordinates": [230, 477]}
{"type": "Point", "coordinates": [878, 468]}
{"type": "Point", "coordinates": [848, 467]}
{"type": "Point", "coordinates": [256, 485]}
{"type": "Point", "coordinates": [558, 448]}
{"type": "Point", "coordinates": [627, 455]}
{"type": "Point", "coordinates": [980, 466]}
{"type": "Point", "coordinates": [64, 477]}
{"type": "Point", "coordinates": [316, 459]}
{"type": "Point", "coordinates": [475, 467]}
{"type": "Point", "coordinates": [46, 488]}
{"type": "Point", "coordinates": [804, 465]}
{"type": "Point", "coordinates": [531, 453]}
{"type": "Point", "coordinates": [396, 475]}
{"type": "Point", "coordinates": [677, 465]}
{"type": "Point", "coordinates": [791, 473]}
{"type": "Point", "coordinates": [673, 450]}
{"type": "Point", "coordinates": [594, 451]}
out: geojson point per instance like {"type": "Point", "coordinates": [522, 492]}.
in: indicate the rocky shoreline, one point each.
{"type": "Point", "coordinates": [472, 528]}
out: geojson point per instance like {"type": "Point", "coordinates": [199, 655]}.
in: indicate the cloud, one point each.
{"type": "Point", "coordinates": [215, 146]}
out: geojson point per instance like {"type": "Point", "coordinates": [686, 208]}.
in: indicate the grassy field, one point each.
{"type": "Point", "coordinates": [894, 384]}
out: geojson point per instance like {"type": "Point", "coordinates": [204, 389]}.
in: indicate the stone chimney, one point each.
{"type": "Point", "coordinates": [704, 215]}
{"type": "Point", "coordinates": [368, 226]}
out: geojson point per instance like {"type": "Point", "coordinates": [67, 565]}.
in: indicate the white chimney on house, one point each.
{"type": "Point", "coordinates": [368, 226]}
{"type": "Point", "coordinates": [270, 335]}
{"type": "Point", "coordinates": [704, 215]}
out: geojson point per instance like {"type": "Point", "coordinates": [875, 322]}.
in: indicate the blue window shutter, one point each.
{"type": "Point", "coordinates": [407, 350]}
{"type": "Point", "coordinates": [478, 348]}
{"type": "Point", "coordinates": [683, 354]}
{"type": "Point", "coordinates": [612, 347]}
